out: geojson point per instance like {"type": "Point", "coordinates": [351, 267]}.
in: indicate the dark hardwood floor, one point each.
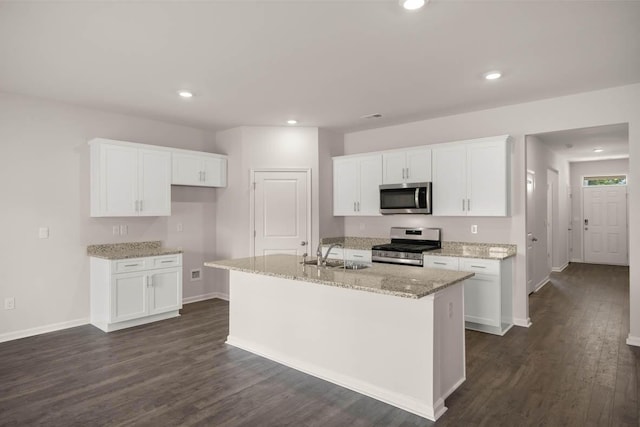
{"type": "Point", "coordinates": [571, 368]}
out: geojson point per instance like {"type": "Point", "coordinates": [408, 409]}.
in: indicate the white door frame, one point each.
{"type": "Point", "coordinates": [252, 202]}
{"type": "Point", "coordinates": [552, 214]}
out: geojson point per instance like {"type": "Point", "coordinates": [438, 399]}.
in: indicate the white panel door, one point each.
{"type": "Point", "coordinates": [281, 212]}
{"type": "Point", "coordinates": [166, 290]}
{"type": "Point", "coordinates": [119, 180]}
{"type": "Point", "coordinates": [345, 186]}
{"type": "Point", "coordinates": [128, 296]}
{"type": "Point", "coordinates": [449, 180]}
{"type": "Point", "coordinates": [418, 165]}
{"type": "Point", "coordinates": [370, 178]}
{"type": "Point", "coordinates": [486, 179]}
{"type": "Point", "coordinates": [155, 183]}
{"type": "Point", "coordinates": [394, 167]}
{"type": "Point", "coordinates": [605, 225]}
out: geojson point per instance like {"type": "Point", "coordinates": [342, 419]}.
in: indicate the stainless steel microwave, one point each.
{"type": "Point", "coordinates": [413, 198]}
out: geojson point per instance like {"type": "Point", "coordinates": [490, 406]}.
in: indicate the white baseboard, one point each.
{"type": "Point", "coordinates": [634, 341]}
{"type": "Point", "coordinates": [388, 396]}
{"type": "Point", "coordinates": [560, 269]}
{"type": "Point", "coordinates": [10, 336]}
{"type": "Point", "coordinates": [576, 260]}
{"type": "Point", "coordinates": [541, 284]}
{"type": "Point", "coordinates": [205, 297]}
{"type": "Point", "coordinates": [525, 323]}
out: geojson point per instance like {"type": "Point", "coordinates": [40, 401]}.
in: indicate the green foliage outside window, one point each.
{"type": "Point", "coordinates": [591, 181]}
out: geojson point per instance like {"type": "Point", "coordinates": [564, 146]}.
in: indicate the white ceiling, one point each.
{"type": "Point", "coordinates": [325, 63]}
{"type": "Point", "coordinates": [578, 144]}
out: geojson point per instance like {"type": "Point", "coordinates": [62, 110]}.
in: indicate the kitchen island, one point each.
{"type": "Point", "coordinates": [391, 332]}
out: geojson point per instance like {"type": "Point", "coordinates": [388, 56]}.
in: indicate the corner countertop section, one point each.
{"type": "Point", "coordinates": [130, 250]}
{"type": "Point", "coordinates": [497, 251]}
{"type": "Point", "coordinates": [397, 280]}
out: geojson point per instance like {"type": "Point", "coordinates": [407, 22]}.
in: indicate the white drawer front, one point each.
{"type": "Point", "coordinates": [482, 266]}
{"type": "Point", "coordinates": [336, 253]}
{"type": "Point", "coordinates": [441, 262]}
{"type": "Point", "coordinates": [128, 265]}
{"type": "Point", "coordinates": [165, 261]}
{"type": "Point", "coordinates": [358, 255]}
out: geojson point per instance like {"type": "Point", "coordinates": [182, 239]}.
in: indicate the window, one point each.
{"type": "Point", "coordinates": [591, 181]}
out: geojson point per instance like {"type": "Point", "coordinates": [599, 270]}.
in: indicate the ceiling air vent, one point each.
{"type": "Point", "coordinates": [372, 116]}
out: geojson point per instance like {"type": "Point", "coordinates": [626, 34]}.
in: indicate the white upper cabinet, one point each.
{"type": "Point", "coordinates": [471, 178]}
{"type": "Point", "coordinates": [129, 179]}
{"type": "Point", "coordinates": [411, 165]}
{"type": "Point", "coordinates": [356, 185]}
{"type": "Point", "coordinates": [199, 169]}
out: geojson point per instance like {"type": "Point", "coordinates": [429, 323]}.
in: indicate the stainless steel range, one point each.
{"type": "Point", "coordinates": [407, 245]}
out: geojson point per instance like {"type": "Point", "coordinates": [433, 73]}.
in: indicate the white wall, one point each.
{"type": "Point", "coordinates": [44, 181]}
{"type": "Point", "coordinates": [541, 160]}
{"type": "Point", "coordinates": [578, 171]}
{"type": "Point", "coordinates": [329, 145]}
{"type": "Point", "coordinates": [258, 147]}
{"type": "Point", "coordinates": [616, 105]}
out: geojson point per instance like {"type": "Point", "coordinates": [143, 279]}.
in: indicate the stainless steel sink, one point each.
{"type": "Point", "coordinates": [335, 263]}
{"type": "Point", "coordinates": [330, 263]}
{"type": "Point", "coordinates": [356, 266]}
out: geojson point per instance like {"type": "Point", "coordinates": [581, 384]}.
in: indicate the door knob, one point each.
{"type": "Point", "coordinates": [303, 243]}
{"type": "Point", "coordinates": [534, 239]}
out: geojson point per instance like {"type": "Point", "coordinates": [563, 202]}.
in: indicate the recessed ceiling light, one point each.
{"type": "Point", "coordinates": [493, 75]}
{"type": "Point", "coordinates": [185, 94]}
{"type": "Point", "coordinates": [412, 4]}
{"type": "Point", "coordinates": [598, 150]}
{"type": "Point", "coordinates": [292, 122]}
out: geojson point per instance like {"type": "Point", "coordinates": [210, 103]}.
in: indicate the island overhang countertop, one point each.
{"type": "Point", "coordinates": [397, 280]}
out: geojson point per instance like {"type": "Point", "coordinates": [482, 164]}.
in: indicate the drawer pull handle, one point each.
{"type": "Point", "coordinates": [358, 256]}
{"type": "Point", "coordinates": [132, 265]}
{"type": "Point", "coordinates": [169, 260]}
{"type": "Point", "coordinates": [439, 263]}
{"type": "Point", "coordinates": [478, 266]}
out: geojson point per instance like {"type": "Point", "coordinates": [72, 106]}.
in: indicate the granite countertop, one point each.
{"type": "Point", "coordinates": [397, 280]}
{"type": "Point", "coordinates": [495, 251]}
{"type": "Point", "coordinates": [356, 242]}
{"type": "Point", "coordinates": [130, 250]}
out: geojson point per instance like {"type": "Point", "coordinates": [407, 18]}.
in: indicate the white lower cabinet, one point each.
{"type": "Point", "coordinates": [487, 295]}
{"type": "Point", "coordinates": [133, 292]}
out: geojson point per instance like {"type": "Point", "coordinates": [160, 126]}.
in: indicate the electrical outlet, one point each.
{"type": "Point", "coordinates": [179, 227]}
{"type": "Point", "coordinates": [9, 303]}
{"type": "Point", "coordinates": [43, 232]}
{"type": "Point", "coordinates": [124, 230]}
{"type": "Point", "coordinates": [196, 274]}
{"type": "Point", "coordinates": [474, 229]}
{"type": "Point", "coordinates": [116, 230]}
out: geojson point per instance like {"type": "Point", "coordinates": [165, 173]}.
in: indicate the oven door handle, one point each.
{"type": "Point", "coordinates": [417, 197]}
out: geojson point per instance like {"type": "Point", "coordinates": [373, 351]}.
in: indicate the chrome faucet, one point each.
{"type": "Point", "coordinates": [323, 260]}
